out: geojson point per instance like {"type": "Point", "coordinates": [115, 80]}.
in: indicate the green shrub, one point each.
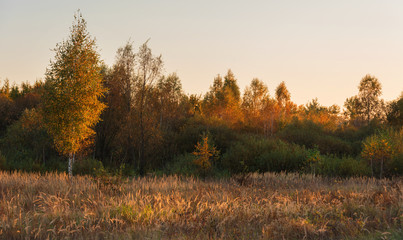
{"type": "Point", "coordinates": [87, 166]}
{"type": "Point", "coordinates": [343, 167]}
{"type": "Point", "coordinates": [309, 134]}
{"type": "Point", "coordinates": [314, 160]}
{"type": "Point", "coordinates": [190, 132]}
{"type": "Point", "coordinates": [285, 157]}
{"type": "Point", "coordinates": [395, 165]}
{"type": "Point", "coordinates": [257, 154]}
{"type": "Point", "coordinates": [3, 162]}
{"type": "Point", "coordinates": [182, 165]}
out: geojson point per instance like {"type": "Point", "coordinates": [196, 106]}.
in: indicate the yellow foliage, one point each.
{"type": "Point", "coordinates": [377, 148]}
{"type": "Point", "coordinates": [73, 86]}
{"type": "Point", "coordinates": [204, 153]}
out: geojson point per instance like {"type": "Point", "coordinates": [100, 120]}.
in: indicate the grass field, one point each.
{"type": "Point", "coordinates": [269, 206]}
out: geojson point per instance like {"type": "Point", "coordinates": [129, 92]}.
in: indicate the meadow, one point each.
{"type": "Point", "coordinates": [262, 206]}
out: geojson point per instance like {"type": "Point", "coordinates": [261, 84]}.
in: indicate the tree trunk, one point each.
{"type": "Point", "coordinates": [372, 169]}
{"type": "Point", "coordinates": [380, 174]}
{"type": "Point", "coordinates": [71, 162]}
{"type": "Point", "coordinates": [141, 150]}
{"type": "Point", "coordinates": [43, 155]}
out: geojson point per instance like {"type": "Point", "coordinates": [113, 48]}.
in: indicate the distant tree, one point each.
{"type": "Point", "coordinates": [369, 91]}
{"type": "Point", "coordinates": [353, 110]}
{"type": "Point", "coordinates": [328, 117]}
{"type": "Point", "coordinates": [7, 111]}
{"type": "Point", "coordinates": [314, 107]}
{"type": "Point", "coordinates": [213, 101]}
{"type": "Point", "coordinates": [395, 112]}
{"type": "Point", "coordinates": [271, 113]}
{"type": "Point", "coordinates": [149, 69]}
{"type": "Point", "coordinates": [15, 92]}
{"type": "Point", "coordinates": [282, 94]}
{"type": "Point", "coordinates": [255, 98]}
{"type": "Point", "coordinates": [285, 106]}
{"type": "Point", "coordinates": [73, 86]}
{"type": "Point", "coordinates": [169, 90]}
{"type": "Point", "coordinates": [193, 104]}
{"type": "Point", "coordinates": [230, 86]}
{"type": "Point", "coordinates": [123, 79]}
{"type": "Point", "coordinates": [5, 89]}
{"type": "Point", "coordinates": [255, 95]}
{"type": "Point", "coordinates": [231, 111]}
{"type": "Point", "coordinates": [223, 99]}
{"type": "Point", "coordinates": [366, 106]}
{"type": "Point", "coordinates": [115, 133]}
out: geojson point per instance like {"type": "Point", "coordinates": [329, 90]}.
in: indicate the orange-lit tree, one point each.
{"type": "Point", "coordinates": [377, 148]}
{"type": "Point", "coordinates": [254, 100]}
{"type": "Point", "coordinates": [205, 153]}
{"type": "Point", "coordinates": [73, 86]}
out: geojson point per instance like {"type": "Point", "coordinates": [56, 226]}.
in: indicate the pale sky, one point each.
{"type": "Point", "coordinates": [320, 48]}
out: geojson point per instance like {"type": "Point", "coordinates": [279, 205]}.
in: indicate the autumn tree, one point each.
{"type": "Point", "coordinates": [148, 71]}
{"type": "Point", "coordinates": [353, 110]}
{"type": "Point", "coordinates": [378, 148]}
{"type": "Point", "coordinates": [193, 104]}
{"type": "Point", "coordinates": [115, 133]}
{"type": "Point", "coordinates": [5, 89]}
{"type": "Point", "coordinates": [395, 112]}
{"type": "Point", "coordinates": [231, 99]}
{"type": "Point", "coordinates": [73, 86]}
{"type": "Point", "coordinates": [205, 152]}
{"type": "Point", "coordinates": [14, 100]}
{"type": "Point", "coordinates": [282, 94]}
{"type": "Point", "coordinates": [214, 99]}
{"type": "Point", "coordinates": [285, 106]}
{"type": "Point", "coordinates": [169, 91]}
{"type": "Point", "coordinates": [369, 91]}
{"type": "Point", "coordinates": [230, 86]}
{"type": "Point", "coordinates": [255, 97]}
{"type": "Point", "coordinates": [325, 116]}
{"type": "Point", "coordinates": [366, 105]}
{"type": "Point", "coordinates": [7, 106]}
{"type": "Point", "coordinates": [223, 99]}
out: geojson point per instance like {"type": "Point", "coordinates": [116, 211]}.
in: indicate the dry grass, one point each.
{"type": "Point", "coordinates": [270, 206]}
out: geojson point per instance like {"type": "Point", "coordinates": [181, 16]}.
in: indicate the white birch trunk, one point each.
{"type": "Point", "coordinates": [71, 162]}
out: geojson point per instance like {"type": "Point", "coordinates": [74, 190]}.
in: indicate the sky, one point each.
{"type": "Point", "coordinates": [320, 49]}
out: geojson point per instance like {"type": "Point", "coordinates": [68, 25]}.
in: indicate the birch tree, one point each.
{"type": "Point", "coordinates": [73, 86]}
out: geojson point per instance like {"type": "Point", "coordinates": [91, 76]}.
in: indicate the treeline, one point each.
{"type": "Point", "coordinates": [150, 125]}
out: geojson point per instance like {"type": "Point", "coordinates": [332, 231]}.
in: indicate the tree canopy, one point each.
{"type": "Point", "coordinates": [73, 86]}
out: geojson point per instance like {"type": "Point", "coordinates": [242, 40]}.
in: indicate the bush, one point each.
{"type": "Point", "coordinates": [258, 154]}
{"type": "Point", "coordinates": [309, 134]}
{"type": "Point", "coordinates": [26, 144]}
{"type": "Point", "coordinates": [3, 162]}
{"type": "Point", "coordinates": [189, 135]}
{"type": "Point", "coordinates": [86, 166]}
{"type": "Point", "coordinates": [383, 151]}
{"type": "Point", "coordinates": [343, 167]}
{"type": "Point", "coordinates": [182, 165]}
{"type": "Point", "coordinates": [285, 157]}
{"type": "Point", "coordinates": [395, 165]}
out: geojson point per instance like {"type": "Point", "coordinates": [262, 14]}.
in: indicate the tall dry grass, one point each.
{"type": "Point", "coordinates": [269, 206]}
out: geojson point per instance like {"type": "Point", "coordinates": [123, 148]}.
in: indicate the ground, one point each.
{"type": "Point", "coordinates": [265, 206]}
